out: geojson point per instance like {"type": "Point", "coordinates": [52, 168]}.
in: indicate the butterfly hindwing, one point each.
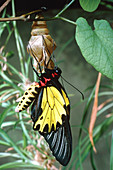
{"type": "Point", "coordinates": [60, 142]}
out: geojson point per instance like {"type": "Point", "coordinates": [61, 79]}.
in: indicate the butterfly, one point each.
{"type": "Point", "coordinates": [50, 112]}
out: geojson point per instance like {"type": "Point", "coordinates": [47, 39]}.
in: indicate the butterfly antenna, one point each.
{"type": "Point", "coordinates": [74, 87]}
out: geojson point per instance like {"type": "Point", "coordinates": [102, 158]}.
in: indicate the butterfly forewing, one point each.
{"type": "Point", "coordinates": [52, 109]}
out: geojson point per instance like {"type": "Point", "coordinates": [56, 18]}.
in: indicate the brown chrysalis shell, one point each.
{"type": "Point", "coordinates": [41, 45]}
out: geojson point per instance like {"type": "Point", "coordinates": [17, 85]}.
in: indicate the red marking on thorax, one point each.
{"type": "Point", "coordinates": [46, 80]}
{"type": "Point", "coordinates": [42, 84]}
{"type": "Point", "coordinates": [54, 74]}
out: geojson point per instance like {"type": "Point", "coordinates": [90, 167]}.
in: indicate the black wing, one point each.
{"type": "Point", "coordinates": [60, 142]}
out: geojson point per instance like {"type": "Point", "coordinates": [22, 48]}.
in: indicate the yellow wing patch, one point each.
{"type": "Point", "coordinates": [65, 98]}
{"type": "Point", "coordinates": [52, 106]}
{"type": "Point", "coordinates": [67, 102]}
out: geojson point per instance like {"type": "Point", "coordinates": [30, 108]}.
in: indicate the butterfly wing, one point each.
{"type": "Point", "coordinates": [49, 110]}
{"type": "Point", "coordinates": [60, 142]}
{"type": "Point", "coordinates": [50, 113]}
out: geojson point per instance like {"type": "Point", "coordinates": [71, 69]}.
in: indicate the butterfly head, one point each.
{"type": "Point", "coordinates": [54, 73]}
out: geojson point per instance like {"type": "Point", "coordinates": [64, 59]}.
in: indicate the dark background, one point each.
{"type": "Point", "coordinates": [27, 5]}
{"type": "Point", "coordinates": [36, 4]}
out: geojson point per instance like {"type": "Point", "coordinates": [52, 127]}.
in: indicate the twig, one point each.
{"type": "Point", "coordinates": [67, 6]}
{"type": "Point", "coordinates": [27, 17]}
{"type": "Point", "coordinates": [24, 17]}
{"type": "Point", "coordinates": [4, 5]}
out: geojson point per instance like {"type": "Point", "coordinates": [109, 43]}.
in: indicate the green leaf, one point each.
{"type": "Point", "coordinates": [96, 45]}
{"type": "Point", "coordinates": [7, 124]}
{"type": "Point", "coordinates": [5, 77]}
{"type": "Point", "coordinates": [4, 85]}
{"type": "Point", "coordinates": [2, 27]}
{"type": "Point", "coordinates": [89, 5]}
{"type": "Point", "coordinates": [92, 159]}
{"type": "Point", "coordinates": [21, 164]}
{"type": "Point", "coordinates": [4, 143]}
{"type": "Point", "coordinates": [105, 108]}
{"type": "Point", "coordinates": [3, 155]}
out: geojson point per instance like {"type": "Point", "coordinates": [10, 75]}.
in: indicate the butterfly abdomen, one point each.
{"type": "Point", "coordinates": [28, 97]}
{"type": "Point", "coordinates": [31, 92]}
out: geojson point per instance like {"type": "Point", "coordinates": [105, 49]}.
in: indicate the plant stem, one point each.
{"type": "Point", "coordinates": [67, 6]}
{"type": "Point", "coordinates": [67, 20]}
{"type": "Point", "coordinates": [17, 40]}
{"type": "Point", "coordinates": [4, 5]}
